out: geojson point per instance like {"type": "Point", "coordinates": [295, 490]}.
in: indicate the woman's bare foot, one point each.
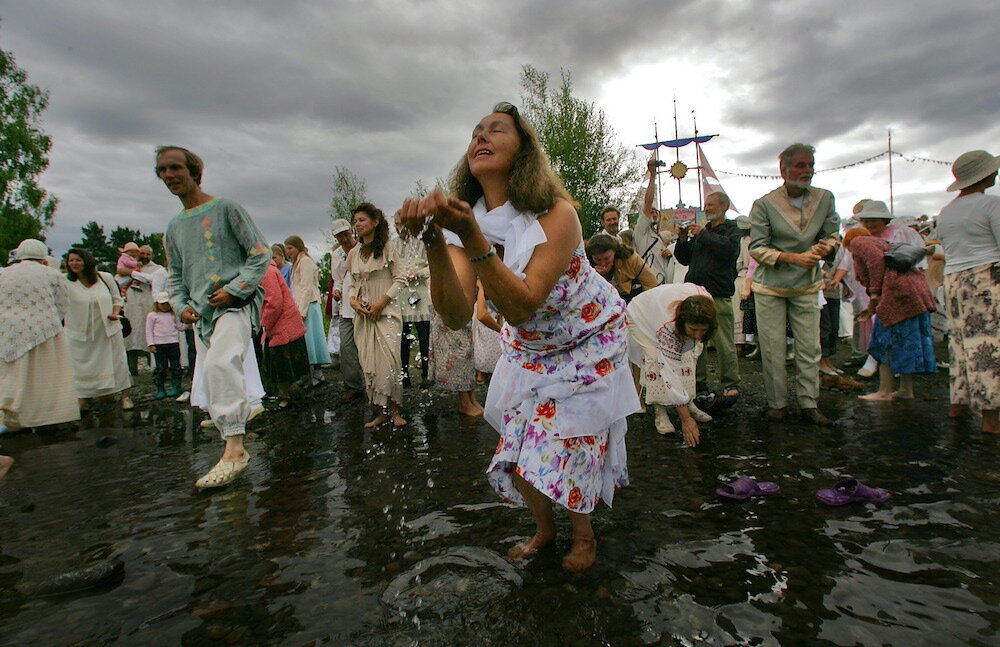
{"type": "Point", "coordinates": [398, 420]}
{"type": "Point", "coordinates": [991, 421]}
{"type": "Point", "coordinates": [902, 395]}
{"type": "Point", "coordinates": [959, 411]}
{"type": "Point", "coordinates": [582, 554]}
{"type": "Point", "coordinates": [878, 396]}
{"type": "Point", "coordinates": [379, 420]}
{"type": "Point", "coordinates": [473, 411]}
{"type": "Point", "coordinates": [528, 548]}
{"type": "Point", "coordinates": [5, 463]}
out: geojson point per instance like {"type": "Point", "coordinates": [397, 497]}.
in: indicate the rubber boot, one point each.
{"type": "Point", "coordinates": [158, 381]}
{"type": "Point", "coordinates": [175, 386]}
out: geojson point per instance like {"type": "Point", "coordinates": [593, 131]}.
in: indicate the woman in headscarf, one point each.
{"type": "Point", "coordinates": [901, 304]}
{"type": "Point", "coordinates": [562, 388]}
{"type": "Point", "coordinates": [36, 383]}
{"type": "Point", "coordinates": [94, 330]}
{"type": "Point", "coordinates": [666, 328]}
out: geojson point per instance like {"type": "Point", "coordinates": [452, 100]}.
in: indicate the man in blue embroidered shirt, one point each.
{"type": "Point", "coordinates": [217, 259]}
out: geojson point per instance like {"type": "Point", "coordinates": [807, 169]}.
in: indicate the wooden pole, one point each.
{"type": "Point", "coordinates": [892, 210]}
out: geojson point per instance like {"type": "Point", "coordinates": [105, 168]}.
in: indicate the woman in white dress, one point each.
{"type": "Point", "coordinates": [94, 330]}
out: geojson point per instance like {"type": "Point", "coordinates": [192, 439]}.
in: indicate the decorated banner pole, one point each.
{"type": "Point", "coordinates": [701, 198]}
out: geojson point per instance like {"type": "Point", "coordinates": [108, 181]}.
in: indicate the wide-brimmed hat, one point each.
{"type": "Point", "coordinates": [971, 167]}
{"type": "Point", "coordinates": [874, 209]}
{"type": "Point", "coordinates": [162, 297]}
{"type": "Point", "coordinates": [129, 247]}
{"type": "Point", "coordinates": [339, 226]}
{"type": "Point", "coordinates": [32, 249]}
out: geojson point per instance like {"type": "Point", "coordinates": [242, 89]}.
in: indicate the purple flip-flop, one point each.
{"type": "Point", "coordinates": [851, 491]}
{"type": "Point", "coordinates": [745, 487]}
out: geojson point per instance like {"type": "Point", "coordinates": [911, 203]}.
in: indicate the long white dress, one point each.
{"type": "Point", "coordinates": [96, 345]}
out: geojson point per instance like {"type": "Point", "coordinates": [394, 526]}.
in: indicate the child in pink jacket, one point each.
{"type": "Point", "coordinates": [161, 335]}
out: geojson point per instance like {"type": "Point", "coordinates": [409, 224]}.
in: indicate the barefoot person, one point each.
{"type": "Point", "coordinates": [901, 303]}
{"type": "Point", "coordinates": [969, 227]}
{"type": "Point", "coordinates": [217, 260]}
{"type": "Point", "coordinates": [377, 276]}
{"type": "Point", "coordinates": [562, 388]}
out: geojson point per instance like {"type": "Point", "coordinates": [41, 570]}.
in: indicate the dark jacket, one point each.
{"type": "Point", "coordinates": [711, 258]}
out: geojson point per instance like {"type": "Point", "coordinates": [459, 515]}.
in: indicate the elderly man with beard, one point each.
{"type": "Point", "coordinates": [138, 303]}
{"type": "Point", "coordinates": [792, 229]}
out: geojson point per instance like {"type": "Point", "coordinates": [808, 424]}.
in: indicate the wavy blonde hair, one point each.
{"type": "Point", "coordinates": [533, 185]}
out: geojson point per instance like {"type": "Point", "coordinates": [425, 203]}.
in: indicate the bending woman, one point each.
{"type": "Point", "coordinates": [901, 331]}
{"type": "Point", "coordinates": [562, 388]}
{"type": "Point", "coordinates": [666, 325]}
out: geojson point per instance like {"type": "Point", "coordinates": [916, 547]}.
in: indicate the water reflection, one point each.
{"type": "Point", "coordinates": [393, 537]}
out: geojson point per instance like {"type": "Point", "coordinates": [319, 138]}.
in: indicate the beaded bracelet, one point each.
{"type": "Point", "coordinates": [492, 252]}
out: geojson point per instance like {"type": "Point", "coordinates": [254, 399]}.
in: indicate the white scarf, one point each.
{"type": "Point", "coordinates": [517, 231]}
{"type": "Point", "coordinates": [32, 304]}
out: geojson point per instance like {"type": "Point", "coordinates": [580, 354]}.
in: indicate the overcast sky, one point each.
{"type": "Point", "coordinates": [275, 95]}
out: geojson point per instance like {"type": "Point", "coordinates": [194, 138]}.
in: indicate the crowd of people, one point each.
{"type": "Point", "coordinates": [494, 276]}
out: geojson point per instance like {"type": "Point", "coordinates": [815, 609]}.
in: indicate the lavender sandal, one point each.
{"type": "Point", "coordinates": [745, 487]}
{"type": "Point", "coordinates": [851, 491]}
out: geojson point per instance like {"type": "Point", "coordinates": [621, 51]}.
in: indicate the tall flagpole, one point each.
{"type": "Point", "coordinates": [677, 150]}
{"type": "Point", "coordinates": [697, 148]}
{"type": "Point", "coordinates": [656, 172]}
{"type": "Point", "coordinates": [892, 210]}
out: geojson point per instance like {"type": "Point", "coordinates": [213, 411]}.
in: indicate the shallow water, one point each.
{"type": "Point", "coordinates": [343, 536]}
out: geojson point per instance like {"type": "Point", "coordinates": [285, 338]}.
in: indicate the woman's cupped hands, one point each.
{"type": "Point", "coordinates": [441, 211]}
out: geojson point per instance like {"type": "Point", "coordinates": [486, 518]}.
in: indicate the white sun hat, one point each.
{"type": "Point", "coordinates": [874, 209]}
{"type": "Point", "coordinates": [971, 167]}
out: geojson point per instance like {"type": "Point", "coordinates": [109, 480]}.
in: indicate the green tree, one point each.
{"type": "Point", "coordinates": [96, 242]}
{"type": "Point", "coordinates": [348, 191]}
{"type": "Point", "coordinates": [26, 210]}
{"type": "Point", "coordinates": [583, 148]}
{"type": "Point", "coordinates": [105, 248]}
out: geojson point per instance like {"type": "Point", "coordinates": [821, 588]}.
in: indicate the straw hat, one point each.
{"type": "Point", "coordinates": [32, 249]}
{"type": "Point", "coordinates": [129, 247]}
{"type": "Point", "coordinates": [339, 226]}
{"type": "Point", "coordinates": [874, 209]}
{"type": "Point", "coordinates": [971, 167]}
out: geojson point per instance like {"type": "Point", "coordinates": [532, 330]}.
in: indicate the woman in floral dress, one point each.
{"type": "Point", "coordinates": [562, 388]}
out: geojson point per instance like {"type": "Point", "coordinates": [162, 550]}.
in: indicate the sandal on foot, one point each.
{"type": "Point", "coordinates": [223, 473]}
{"type": "Point", "coordinates": [745, 487]}
{"type": "Point", "coordinates": [851, 491]}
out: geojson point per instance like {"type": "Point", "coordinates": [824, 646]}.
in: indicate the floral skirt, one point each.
{"type": "Point", "coordinates": [973, 303]}
{"type": "Point", "coordinates": [907, 347]}
{"type": "Point", "coordinates": [452, 362]}
{"type": "Point", "coordinates": [574, 472]}
{"type": "Point", "coordinates": [284, 365]}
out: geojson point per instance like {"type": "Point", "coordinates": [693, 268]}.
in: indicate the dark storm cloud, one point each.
{"type": "Point", "coordinates": [276, 95]}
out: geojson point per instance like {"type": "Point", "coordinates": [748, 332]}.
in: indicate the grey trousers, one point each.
{"type": "Point", "coordinates": [350, 366]}
{"type": "Point", "coordinates": [802, 314]}
{"type": "Point", "coordinates": [725, 347]}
